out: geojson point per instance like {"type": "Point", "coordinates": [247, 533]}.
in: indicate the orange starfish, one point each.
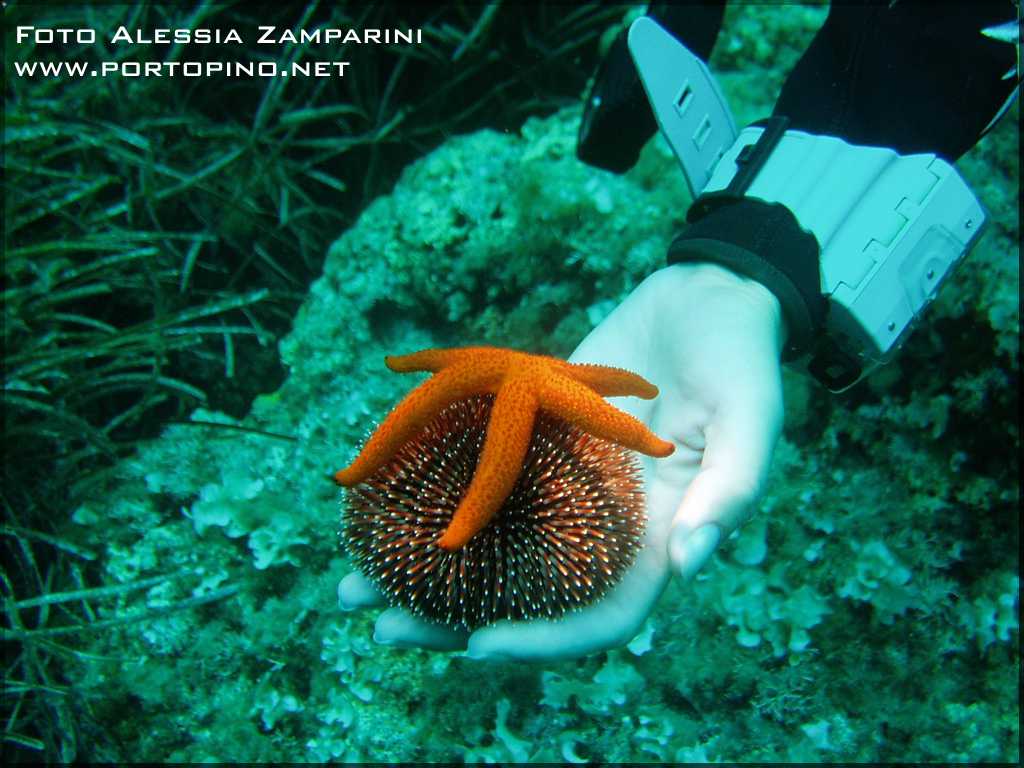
{"type": "Point", "coordinates": [521, 383]}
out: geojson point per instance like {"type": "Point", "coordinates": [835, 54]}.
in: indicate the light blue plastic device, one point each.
{"type": "Point", "coordinates": [890, 227]}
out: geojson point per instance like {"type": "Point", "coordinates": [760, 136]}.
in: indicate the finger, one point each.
{"type": "Point", "coordinates": [399, 628]}
{"type": "Point", "coordinates": [609, 623]}
{"type": "Point", "coordinates": [691, 552]}
{"type": "Point", "coordinates": [740, 440]}
{"type": "Point", "coordinates": [569, 637]}
{"type": "Point", "coordinates": [537, 640]}
{"type": "Point", "coordinates": [355, 591]}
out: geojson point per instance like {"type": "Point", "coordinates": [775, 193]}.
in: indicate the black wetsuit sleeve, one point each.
{"type": "Point", "coordinates": [913, 77]}
{"type": "Point", "coordinates": [617, 120]}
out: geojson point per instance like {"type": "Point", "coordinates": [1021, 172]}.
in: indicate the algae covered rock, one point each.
{"type": "Point", "coordinates": [868, 612]}
{"type": "Point", "coordinates": [493, 238]}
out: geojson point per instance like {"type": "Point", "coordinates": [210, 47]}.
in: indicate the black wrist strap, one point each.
{"type": "Point", "coordinates": [759, 240]}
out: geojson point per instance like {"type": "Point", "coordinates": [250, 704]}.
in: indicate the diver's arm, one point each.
{"type": "Point", "coordinates": [617, 119]}
{"type": "Point", "coordinates": [912, 77]}
{"type": "Point", "coordinates": [852, 238]}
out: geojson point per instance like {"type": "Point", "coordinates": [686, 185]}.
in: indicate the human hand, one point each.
{"type": "Point", "coordinates": [711, 342]}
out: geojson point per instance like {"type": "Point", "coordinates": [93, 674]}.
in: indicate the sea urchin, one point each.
{"type": "Point", "coordinates": [566, 534]}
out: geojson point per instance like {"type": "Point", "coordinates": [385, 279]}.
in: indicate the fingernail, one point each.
{"type": "Point", "coordinates": [492, 657]}
{"type": "Point", "coordinates": [691, 551]}
{"type": "Point", "coordinates": [478, 655]}
{"type": "Point", "coordinates": [381, 640]}
{"type": "Point", "coordinates": [341, 601]}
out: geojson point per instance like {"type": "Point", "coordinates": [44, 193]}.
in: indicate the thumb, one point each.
{"type": "Point", "coordinates": [739, 441]}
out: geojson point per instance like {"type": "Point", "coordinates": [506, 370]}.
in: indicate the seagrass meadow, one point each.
{"type": "Point", "coordinates": [201, 280]}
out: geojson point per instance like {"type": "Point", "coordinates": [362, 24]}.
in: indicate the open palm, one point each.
{"type": "Point", "coordinates": [711, 343]}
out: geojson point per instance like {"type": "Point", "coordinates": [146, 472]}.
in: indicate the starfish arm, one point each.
{"type": "Point", "coordinates": [410, 416]}
{"type": "Point", "coordinates": [425, 360]}
{"type": "Point", "coordinates": [505, 445]}
{"type": "Point", "coordinates": [592, 413]}
{"type": "Point", "coordinates": [435, 359]}
{"type": "Point", "coordinates": [611, 382]}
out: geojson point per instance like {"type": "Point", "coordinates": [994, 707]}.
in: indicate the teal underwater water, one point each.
{"type": "Point", "coordinates": [868, 612]}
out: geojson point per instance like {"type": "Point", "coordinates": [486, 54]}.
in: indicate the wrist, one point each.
{"type": "Point", "coordinates": [721, 292]}
{"type": "Point", "coordinates": [763, 242]}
